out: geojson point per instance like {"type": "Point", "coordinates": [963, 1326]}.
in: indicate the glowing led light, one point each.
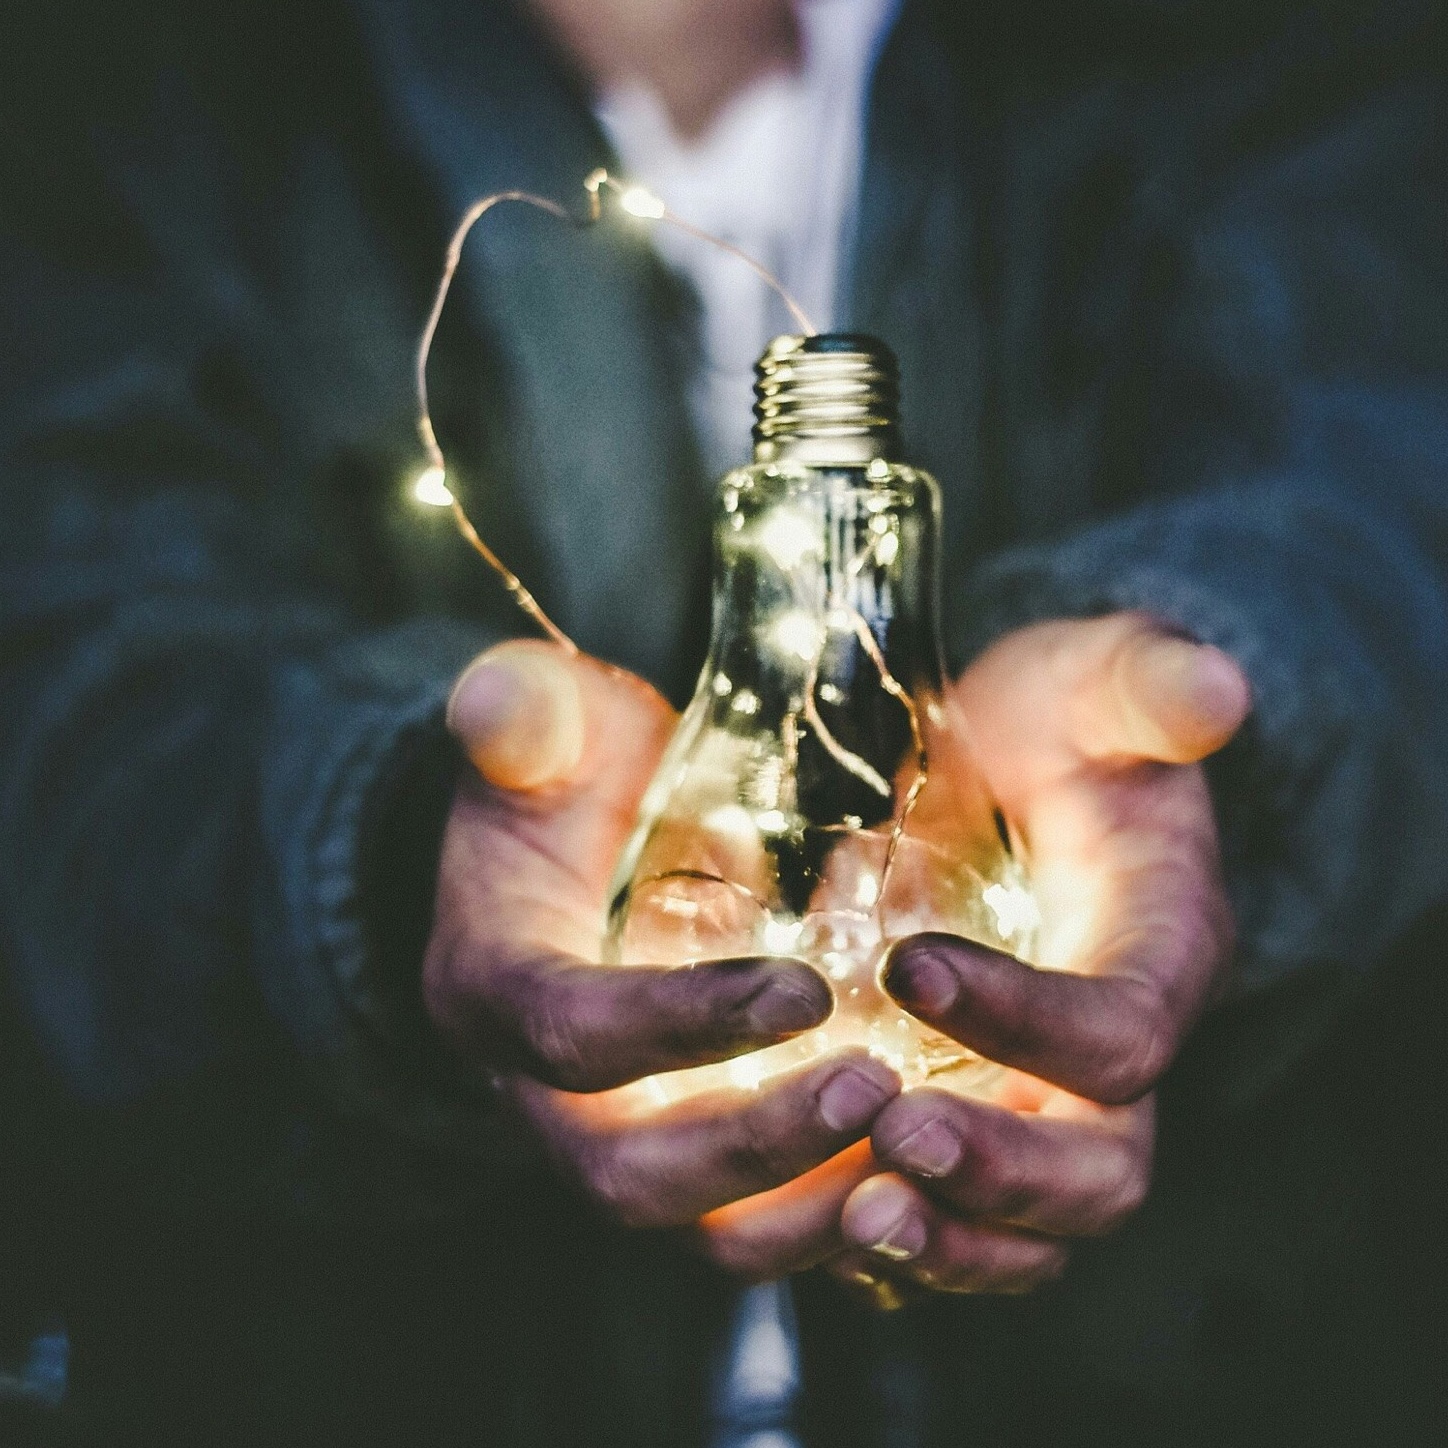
{"type": "Point", "coordinates": [722, 685]}
{"type": "Point", "coordinates": [887, 550]}
{"type": "Point", "coordinates": [430, 487]}
{"type": "Point", "coordinates": [746, 702]}
{"type": "Point", "coordinates": [772, 822]}
{"type": "Point", "coordinates": [732, 822]}
{"type": "Point", "coordinates": [638, 202]}
{"type": "Point", "coordinates": [746, 1073]}
{"type": "Point", "coordinates": [867, 891]}
{"type": "Point", "coordinates": [1014, 909]}
{"type": "Point", "coordinates": [788, 538]}
{"type": "Point", "coordinates": [782, 935]}
{"type": "Point", "coordinates": [878, 468]}
{"type": "Point", "coordinates": [831, 694]}
{"type": "Point", "coordinates": [795, 632]}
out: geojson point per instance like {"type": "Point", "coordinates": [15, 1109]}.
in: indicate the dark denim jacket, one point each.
{"type": "Point", "coordinates": [1170, 294]}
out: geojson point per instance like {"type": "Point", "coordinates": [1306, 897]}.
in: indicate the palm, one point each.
{"type": "Point", "coordinates": [1088, 735]}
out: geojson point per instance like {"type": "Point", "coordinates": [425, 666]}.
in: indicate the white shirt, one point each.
{"type": "Point", "coordinates": [778, 175]}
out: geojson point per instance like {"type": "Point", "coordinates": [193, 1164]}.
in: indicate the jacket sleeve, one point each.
{"type": "Point", "coordinates": [216, 754]}
{"type": "Point", "coordinates": [1298, 518]}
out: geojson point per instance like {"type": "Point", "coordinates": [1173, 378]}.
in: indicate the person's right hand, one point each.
{"type": "Point", "coordinates": [563, 748]}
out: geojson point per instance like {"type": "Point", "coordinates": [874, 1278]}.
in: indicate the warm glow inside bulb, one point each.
{"type": "Point", "coordinates": [1014, 908]}
{"type": "Point", "coordinates": [430, 487]}
{"type": "Point", "coordinates": [797, 633]}
{"type": "Point", "coordinates": [638, 202]}
{"type": "Point", "coordinates": [789, 537]}
{"type": "Point", "coordinates": [781, 936]}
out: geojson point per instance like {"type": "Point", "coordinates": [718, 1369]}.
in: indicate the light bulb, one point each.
{"type": "Point", "coordinates": [814, 801]}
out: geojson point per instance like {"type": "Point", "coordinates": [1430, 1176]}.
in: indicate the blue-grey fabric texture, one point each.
{"type": "Point", "coordinates": [1169, 291]}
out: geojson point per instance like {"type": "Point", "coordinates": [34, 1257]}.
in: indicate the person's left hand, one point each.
{"type": "Point", "coordinates": [1089, 733]}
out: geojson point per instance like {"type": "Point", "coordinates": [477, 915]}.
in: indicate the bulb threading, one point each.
{"type": "Point", "coordinates": [831, 400]}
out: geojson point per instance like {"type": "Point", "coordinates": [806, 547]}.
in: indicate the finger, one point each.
{"type": "Point", "coordinates": [674, 1165]}
{"type": "Point", "coordinates": [787, 1230]}
{"type": "Point", "coordinates": [587, 1027]}
{"type": "Point", "coordinates": [1048, 698]}
{"type": "Point", "coordinates": [531, 716]}
{"type": "Point", "coordinates": [1061, 1176]}
{"type": "Point", "coordinates": [893, 1221]}
{"type": "Point", "coordinates": [517, 710]}
{"type": "Point", "coordinates": [1106, 1036]}
{"type": "Point", "coordinates": [1157, 696]}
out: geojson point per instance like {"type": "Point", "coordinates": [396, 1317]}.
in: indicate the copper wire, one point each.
{"type": "Point", "coordinates": [521, 595]}
{"type": "Point", "coordinates": [593, 184]}
{"type": "Point", "coordinates": [597, 180]}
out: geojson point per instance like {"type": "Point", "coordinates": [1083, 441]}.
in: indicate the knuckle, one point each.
{"type": "Point", "coordinates": [1120, 1192]}
{"type": "Point", "coordinates": [777, 1137]}
{"type": "Point", "coordinates": [1048, 1267]}
{"type": "Point", "coordinates": [550, 1028]}
{"type": "Point", "coordinates": [1143, 1046]}
{"type": "Point", "coordinates": [1015, 1020]}
{"type": "Point", "coordinates": [757, 1158]}
{"type": "Point", "coordinates": [1127, 1198]}
{"type": "Point", "coordinates": [613, 1187]}
{"type": "Point", "coordinates": [991, 1177]}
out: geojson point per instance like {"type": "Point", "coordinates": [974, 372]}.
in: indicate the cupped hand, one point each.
{"type": "Point", "coordinates": [563, 748]}
{"type": "Point", "coordinates": [1090, 734]}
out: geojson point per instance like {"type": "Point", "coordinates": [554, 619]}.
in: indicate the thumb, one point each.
{"type": "Point", "coordinates": [518, 712]}
{"type": "Point", "coordinates": [1162, 697]}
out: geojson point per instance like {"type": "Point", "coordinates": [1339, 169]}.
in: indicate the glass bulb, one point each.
{"type": "Point", "coordinates": [814, 801]}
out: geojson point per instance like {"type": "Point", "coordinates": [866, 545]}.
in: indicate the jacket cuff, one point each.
{"type": "Point", "coordinates": [1324, 865]}
{"type": "Point", "coordinates": [354, 798]}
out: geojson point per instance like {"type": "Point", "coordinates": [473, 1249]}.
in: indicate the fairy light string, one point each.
{"type": "Point", "coordinates": [431, 485]}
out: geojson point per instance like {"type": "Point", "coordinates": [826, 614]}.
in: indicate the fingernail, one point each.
{"type": "Point", "coordinates": [1218, 687]}
{"type": "Point", "coordinates": [853, 1096]}
{"type": "Point", "coordinates": [785, 1007]}
{"type": "Point", "coordinates": [883, 1220]}
{"type": "Point", "coordinates": [519, 714]}
{"type": "Point", "coordinates": [921, 982]}
{"type": "Point", "coordinates": [484, 698]}
{"type": "Point", "coordinates": [1195, 692]}
{"type": "Point", "coordinates": [931, 1150]}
